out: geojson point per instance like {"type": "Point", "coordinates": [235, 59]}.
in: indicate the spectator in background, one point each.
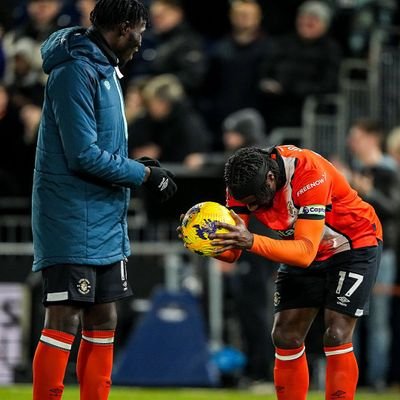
{"type": "Point", "coordinates": [13, 163]}
{"type": "Point", "coordinates": [134, 102]}
{"type": "Point", "coordinates": [242, 128]}
{"type": "Point", "coordinates": [171, 128]}
{"type": "Point", "coordinates": [136, 116]}
{"type": "Point", "coordinates": [2, 58]}
{"type": "Point", "coordinates": [7, 9]}
{"type": "Point", "coordinates": [393, 144]}
{"type": "Point", "coordinates": [356, 21]}
{"type": "Point", "coordinates": [42, 20]}
{"type": "Point", "coordinates": [374, 175]}
{"type": "Point", "coordinates": [84, 8]}
{"type": "Point", "coordinates": [2, 55]}
{"type": "Point", "coordinates": [232, 79]}
{"type": "Point", "coordinates": [393, 148]}
{"type": "Point", "coordinates": [299, 65]}
{"type": "Point", "coordinates": [30, 115]}
{"type": "Point", "coordinates": [22, 78]}
{"type": "Point", "coordinates": [175, 47]}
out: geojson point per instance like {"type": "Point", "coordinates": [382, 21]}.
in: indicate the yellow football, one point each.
{"type": "Point", "coordinates": [199, 222]}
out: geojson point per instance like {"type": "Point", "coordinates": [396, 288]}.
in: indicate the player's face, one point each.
{"type": "Point", "coordinates": [131, 40]}
{"type": "Point", "coordinates": [264, 198]}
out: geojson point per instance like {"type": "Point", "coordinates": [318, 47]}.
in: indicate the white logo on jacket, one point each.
{"type": "Point", "coordinates": [107, 85]}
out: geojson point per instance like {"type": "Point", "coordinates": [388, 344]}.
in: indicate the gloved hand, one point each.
{"type": "Point", "coordinates": [160, 183]}
{"type": "Point", "coordinates": [148, 161]}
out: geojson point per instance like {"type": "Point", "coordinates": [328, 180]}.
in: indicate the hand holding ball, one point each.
{"type": "Point", "coordinates": [199, 222]}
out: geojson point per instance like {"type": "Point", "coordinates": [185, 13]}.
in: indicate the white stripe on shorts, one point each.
{"type": "Point", "coordinates": [57, 296]}
{"type": "Point", "coordinates": [123, 277]}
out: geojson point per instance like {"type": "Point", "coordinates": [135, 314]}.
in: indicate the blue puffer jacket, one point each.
{"type": "Point", "coordinates": [82, 173]}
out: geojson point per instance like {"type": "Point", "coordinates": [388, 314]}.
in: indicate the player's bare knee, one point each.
{"type": "Point", "coordinates": [336, 335]}
{"type": "Point", "coordinates": [284, 339]}
{"type": "Point", "coordinates": [100, 317]}
{"type": "Point", "coordinates": [62, 318]}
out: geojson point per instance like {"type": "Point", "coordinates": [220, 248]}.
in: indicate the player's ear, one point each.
{"type": "Point", "coordinates": [124, 27]}
{"type": "Point", "coordinates": [270, 177]}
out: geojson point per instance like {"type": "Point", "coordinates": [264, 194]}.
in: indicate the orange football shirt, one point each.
{"type": "Point", "coordinates": [314, 189]}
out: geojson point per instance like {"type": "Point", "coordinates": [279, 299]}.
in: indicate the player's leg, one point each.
{"type": "Point", "coordinates": [95, 356]}
{"type": "Point", "coordinates": [298, 297]}
{"type": "Point", "coordinates": [291, 375]}
{"type": "Point", "coordinates": [350, 280]}
{"type": "Point", "coordinates": [52, 351]}
{"type": "Point", "coordinates": [342, 368]}
{"type": "Point", "coordinates": [62, 297]}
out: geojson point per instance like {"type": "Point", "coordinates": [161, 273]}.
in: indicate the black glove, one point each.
{"type": "Point", "coordinates": [160, 182]}
{"type": "Point", "coordinates": [148, 161]}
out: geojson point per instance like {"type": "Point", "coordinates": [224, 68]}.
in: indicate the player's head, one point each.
{"type": "Point", "coordinates": [127, 19]}
{"type": "Point", "coordinates": [251, 177]}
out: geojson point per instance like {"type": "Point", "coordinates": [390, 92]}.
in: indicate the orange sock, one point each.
{"type": "Point", "coordinates": [94, 365]}
{"type": "Point", "coordinates": [341, 372]}
{"type": "Point", "coordinates": [49, 364]}
{"type": "Point", "coordinates": [291, 374]}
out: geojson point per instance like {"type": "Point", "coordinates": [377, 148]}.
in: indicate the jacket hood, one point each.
{"type": "Point", "coordinates": [72, 43]}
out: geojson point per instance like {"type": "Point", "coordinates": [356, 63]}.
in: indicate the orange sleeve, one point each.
{"type": "Point", "coordinates": [230, 256]}
{"type": "Point", "coordinates": [300, 251]}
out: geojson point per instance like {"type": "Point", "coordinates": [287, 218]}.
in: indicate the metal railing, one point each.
{"type": "Point", "coordinates": [385, 76]}
{"type": "Point", "coordinates": [148, 239]}
{"type": "Point", "coordinates": [324, 126]}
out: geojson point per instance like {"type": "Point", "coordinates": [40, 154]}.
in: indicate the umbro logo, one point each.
{"type": "Point", "coordinates": [343, 299]}
{"type": "Point", "coordinates": [57, 392]}
{"type": "Point", "coordinates": [163, 184]}
{"type": "Point", "coordinates": [339, 394]}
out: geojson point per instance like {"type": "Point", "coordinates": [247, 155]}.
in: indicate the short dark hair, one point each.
{"type": "Point", "coordinates": [243, 168]}
{"type": "Point", "coordinates": [368, 124]}
{"type": "Point", "coordinates": [370, 127]}
{"type": "Point", "coordinates": [108, 14]}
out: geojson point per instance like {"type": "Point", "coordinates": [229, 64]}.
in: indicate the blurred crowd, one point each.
{"type": "Point", "coordinates": [211, 77]}
{"type": "Point", "coordinates": [201, 66]}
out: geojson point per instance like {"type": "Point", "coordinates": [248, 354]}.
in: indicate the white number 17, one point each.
{"type": "Point", "coordinates": [342, 275]}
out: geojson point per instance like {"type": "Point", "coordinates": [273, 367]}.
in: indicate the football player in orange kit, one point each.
{"type": "Point", "coordinates": [330, 251]}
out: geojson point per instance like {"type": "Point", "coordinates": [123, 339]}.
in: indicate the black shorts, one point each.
{"type": "Point", "coordinates": [72, 283]}
{"type": "Point", "coordinates": [343, 283]}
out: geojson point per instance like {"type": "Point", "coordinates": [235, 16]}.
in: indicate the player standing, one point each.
{"type": "Point", "coordinates": [81, 193]}
{"type": "Point", "coordinates": [330, 252]}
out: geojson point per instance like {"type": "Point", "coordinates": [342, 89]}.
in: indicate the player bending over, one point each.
{"type": "Point", "coordinates": [330, 251]}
